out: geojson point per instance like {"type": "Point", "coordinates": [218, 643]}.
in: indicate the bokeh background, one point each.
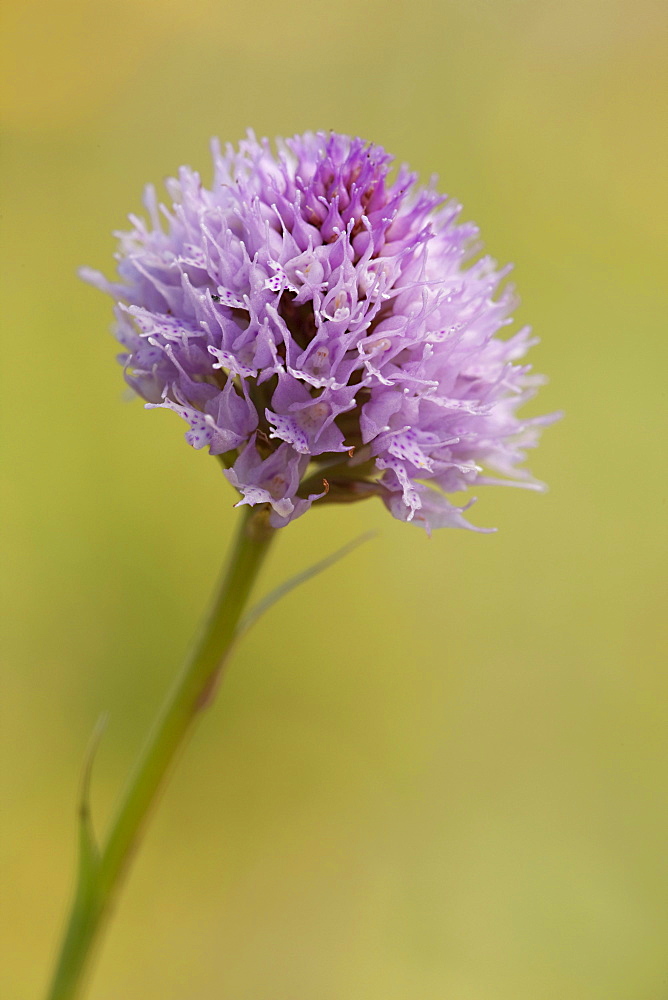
{"type": "Point", "coordinates": [439, 770]}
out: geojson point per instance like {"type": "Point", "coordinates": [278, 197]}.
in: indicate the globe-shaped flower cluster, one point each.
{"type": "Point", "coordinates": [329, 332]}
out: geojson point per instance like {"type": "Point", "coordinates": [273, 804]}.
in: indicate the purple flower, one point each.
{"type": "Point", "coordinates": [327, 331]}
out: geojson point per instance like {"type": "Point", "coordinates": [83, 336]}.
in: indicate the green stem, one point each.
{"type": "Point", "coordinates": [100, 874]}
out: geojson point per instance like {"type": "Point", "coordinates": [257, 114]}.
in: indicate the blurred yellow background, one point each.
{"type": "Point", "coordinates": [437, 772]}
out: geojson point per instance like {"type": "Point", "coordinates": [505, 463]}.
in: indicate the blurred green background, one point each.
{"type": "Point", "coordinates": [438, 771]}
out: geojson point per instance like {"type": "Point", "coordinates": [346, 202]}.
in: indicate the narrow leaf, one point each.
{"type": "Point", "coordinates": [295, 581]}
{"type": "Point", "coordinates": [89, 854]}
